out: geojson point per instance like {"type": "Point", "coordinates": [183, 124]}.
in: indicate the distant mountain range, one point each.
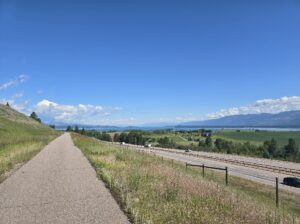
{"type": "Point", "coordinates": [289, 119]}
{"type": "Point", "coordinates": [283, 119]}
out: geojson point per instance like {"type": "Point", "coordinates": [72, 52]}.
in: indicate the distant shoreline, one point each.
{"type": "Point", "coordinates": [183, 128]}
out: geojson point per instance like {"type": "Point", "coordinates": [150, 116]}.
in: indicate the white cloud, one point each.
{"type": "Point", "coordinates": [20, 79]}
{"type": "Point", "coordinates": [17, 103]}
{"type": "Point", "coordinates": [261, 106]}
{"type": "Point", "coordinates": [188, 117]}
{"type": "Point", "coordinates": [17, 96]}
{"type": "Point", "coordinates": [81, 113]}
{"type": "Point", "coordinates": [99, 115]}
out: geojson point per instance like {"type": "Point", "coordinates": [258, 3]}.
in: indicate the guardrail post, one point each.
{"type": "Point", "coordinates": [203, 170]}
{"type": "Point", "coordinates": [277, 193]}
{"type": "Point", "coordinates": [226, 175]}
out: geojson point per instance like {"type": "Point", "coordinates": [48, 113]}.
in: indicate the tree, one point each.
{"type": "Point", "coordinates": [266, 154]}
{"type": "Point", "coordinates": [208, 142]}
{"type": "Point", "coordinates": [69, 129]}
{"type": "Point", "coordinates": [34, 116]}
{"type": "Point", "coordinates": [290, 149]}
{"type": "Point", "coordinates": [201, 143]}
{"type": "Point", "coordinates": [166, 142]}
{"type": "Point", "coordinates": [273, 146]}
{"type": "Point", "coordinates": [270, 146]}
{"type": "Point", "coordinates": [7, 104]}
{"type": "Point", "coordinates": [76, 129]}
{"type": "Point", "coordinates": [52, 126]}
{"type": "Point", "coordinates": [82, 131]}
{"type": "Point", "coordinates": [219, 143]}
{"type": "Point", "coordinates": [105, 137]}
{"type": "Point", "coordinates": [123, 137]}
{"type": "Point", "coordinates": [116, 137]}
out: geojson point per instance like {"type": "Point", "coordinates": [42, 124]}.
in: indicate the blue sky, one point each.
{"type": "Point", "coordinates": [135, 62]}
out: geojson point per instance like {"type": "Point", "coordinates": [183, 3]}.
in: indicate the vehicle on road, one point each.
{"type": "Point", "coordinates": [292, 181]}
{"type": "Point", "coordinates": [147, 146]}
{"type": "Point", "coordinates": [187, 150]}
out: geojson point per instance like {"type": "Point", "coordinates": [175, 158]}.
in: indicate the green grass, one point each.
{"type": "Point", "coordinates": [242, 136]}
{"type": "Point", "coordinates": [20, 138]}
{"type": "Point", "coordinates": [258, 137]}
{"type": "Point", "coordinates": [152, 190]}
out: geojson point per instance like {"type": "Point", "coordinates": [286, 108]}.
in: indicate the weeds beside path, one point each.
{"type": "Point", "coordinates": [20, 141]}
{"type": "Point", "coordinates": [19, 153]}
{"type": "Point", "coordinates": [152, 190]}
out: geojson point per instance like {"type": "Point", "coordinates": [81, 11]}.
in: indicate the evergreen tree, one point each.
{"type": "Point", "coordinates": [34, 116]}
{"type": "Point", "coordinates": [201, 143]}
{"type": "Point", "coordinates": [208, 142]}
{"type": "Point", "coordinates": [266, 154]}
{"type": "Point", "coordinates": [69, 129]}
{"type": "Point", "coordinates": [218, 143]}
{"type": "Point", "coordinates": [290, 149]}
{"type": "Point", "coordinates": [82, 131]}
{"type": "Point", "coordinates": [116, 137]}
{"type": "Point", "coordinates": [270, 146]}
{"type": "Point", "coordinates": [273, 146]}
{"type": "Point", "coordinates": [52, 126]}
{"type": "Point", "coordinates": [76, 129]}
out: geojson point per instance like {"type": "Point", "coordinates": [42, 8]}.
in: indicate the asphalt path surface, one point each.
{"type": "Point", "coordinates": [57, 186]}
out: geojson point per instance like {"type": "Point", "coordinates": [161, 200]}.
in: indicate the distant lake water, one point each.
{"type": "Point", "coordinates": [177, 128]}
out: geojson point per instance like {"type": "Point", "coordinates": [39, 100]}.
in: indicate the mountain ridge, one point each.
{"type": "Point", "coordinates": [282, 119]}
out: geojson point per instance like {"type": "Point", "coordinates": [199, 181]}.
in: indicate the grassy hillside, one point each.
{"type": "Point", "coordinates": [20, 138]}
{"type": "Point", "coordinates": [153, 190]}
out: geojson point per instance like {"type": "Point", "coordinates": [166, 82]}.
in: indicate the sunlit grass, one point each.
{"type": "Point", "coordinates": [20, 139]}
{"type": "Point", "coordinates": [153, 190]}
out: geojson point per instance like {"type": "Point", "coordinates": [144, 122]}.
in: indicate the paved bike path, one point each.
{"type": "Point", "coordinates": [57, 186]}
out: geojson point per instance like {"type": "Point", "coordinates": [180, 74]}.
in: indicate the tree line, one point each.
{"type": "Point", "coordinates": [269, 149]}
{"type": "Point", "coordinates": [131, 137]}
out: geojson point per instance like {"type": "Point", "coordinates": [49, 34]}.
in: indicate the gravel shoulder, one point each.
{"type": "Point", "coordinates": [57, 186]}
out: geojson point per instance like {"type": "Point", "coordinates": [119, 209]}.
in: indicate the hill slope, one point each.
{"type": "Point", "coordinates": [20, 138]}
{"type": "Point", "coordinates": [284, 119]}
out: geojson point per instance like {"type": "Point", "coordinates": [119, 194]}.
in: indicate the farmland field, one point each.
{"type": "Point", "coordinates": [255, 137]}
{"type": "Point", "coordinates": [258, 137]}
{"type": "Point", "coordinates": [255, 143]}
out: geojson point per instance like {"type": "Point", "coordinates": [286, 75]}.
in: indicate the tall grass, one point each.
{"type": "Point", "coordinates": [152, 190]}
{"type": "Point", "coordinates": [19, 142]}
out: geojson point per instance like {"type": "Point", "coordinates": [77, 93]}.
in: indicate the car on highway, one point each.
{"type": "Point", "coordinates": [187, 150]}
{"type": "Point", "coordinates": [292, 181]}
